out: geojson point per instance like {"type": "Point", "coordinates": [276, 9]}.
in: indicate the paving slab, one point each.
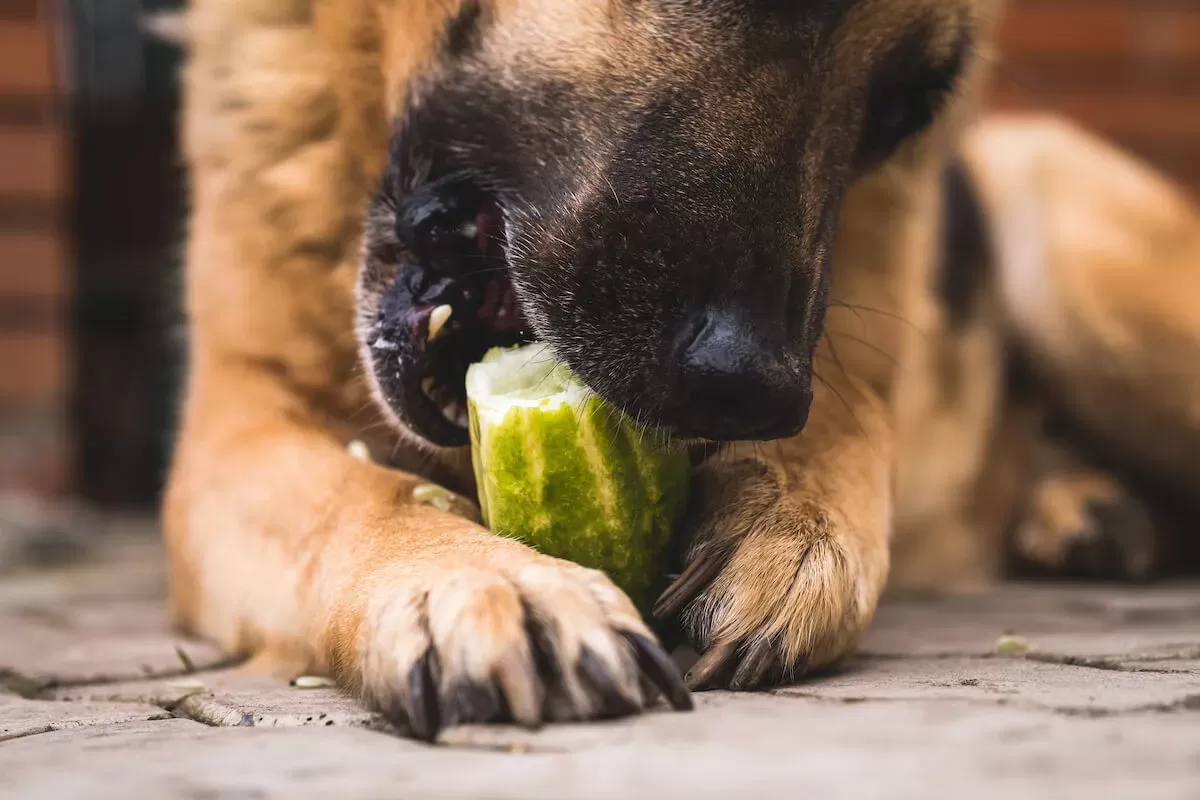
{"type": "Point", "coordinates": [747, 745]}
{"type": "Point", "coordinates": [34, 657]}
{"type": "Point", "coordinates": [20, 717]}
{"type": "Point", "coordinates": [1010, 681]}
{"type": "Point", "coordinates": [1025, 690]}
{"type": "Point", "coordinates": [99, 620]}
{"type": "Point", "coordinates": [1102, 625]}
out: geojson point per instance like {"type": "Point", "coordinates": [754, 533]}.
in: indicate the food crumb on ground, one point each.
{"type": "Point", "coordinates": [1011, 646]}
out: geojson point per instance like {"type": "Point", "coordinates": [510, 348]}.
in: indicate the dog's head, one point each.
{"type": "Point", "coordinates": [651, 186]}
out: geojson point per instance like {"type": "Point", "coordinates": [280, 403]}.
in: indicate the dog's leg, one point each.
{"type": "Point", "coordinates": [789, 553]}
{"type": "Point", "coordinates": [1082, 521]}
{"type": "Point", "coordinates": [949, 403]}
{"type": "Point", "coordinates": [284, 545]}
{"type": "Point", "coordinates": [1099, 269]}
{"type": "Point", "coordinates": [789, 540]}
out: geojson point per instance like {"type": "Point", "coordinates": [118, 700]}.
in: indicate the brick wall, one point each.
{"type": "Point", "coordinates": [34, 251]}
{"type": "Point", "coordinates": [1128, 69]}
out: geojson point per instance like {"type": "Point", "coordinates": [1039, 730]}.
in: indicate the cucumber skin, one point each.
{"type": "Point", "coordinates": [583, 483]}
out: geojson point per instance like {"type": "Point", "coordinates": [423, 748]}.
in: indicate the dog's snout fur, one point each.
{"type": "Point", "coordinates": [678, 165]}
{"type": "Point", "coordinates": [686, 305]}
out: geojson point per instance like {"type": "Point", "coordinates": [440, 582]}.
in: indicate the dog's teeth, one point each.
{"type": "Point", "coordinates": [456, 412]}
{"type": "Point", "coordinates": [453, 411]}
{"type": "Point", "coordinates": [469, 230]}
{"type": "Point", "coordinates": [428, 387]}
{"type": "Point", "coordinates": [437, 320]}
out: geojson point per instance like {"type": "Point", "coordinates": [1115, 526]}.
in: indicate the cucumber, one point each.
{"type": "Point", "coordinates": [562, 470]}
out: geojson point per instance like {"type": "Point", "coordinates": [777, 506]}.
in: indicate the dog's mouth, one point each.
{"type": "Point", "coordinates": [447, 309]}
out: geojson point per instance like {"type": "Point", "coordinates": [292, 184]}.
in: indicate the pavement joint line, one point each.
{"type": "Point", "coordinates": [33, 689]}
{"type": "Point", "coordinates": [20, 685]}
{"type": "Point", "coordinates": [1108, 663]}
{"type": "Point", "coordinates": [12, 737]}
{"type": "Point", "coordinates": [1185, 704]}
{"type": "Point", "coordinates": [1093, 662]}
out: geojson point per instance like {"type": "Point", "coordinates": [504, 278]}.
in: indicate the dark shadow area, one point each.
{"type": "Point", "coordinates": [128, 220]}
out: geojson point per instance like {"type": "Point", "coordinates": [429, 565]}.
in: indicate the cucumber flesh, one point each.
{"type": "Point", "coordinates": [562, 470]}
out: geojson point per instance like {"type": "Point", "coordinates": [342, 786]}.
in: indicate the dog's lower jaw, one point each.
{"type": "Point", "coordinates": [434, 295]}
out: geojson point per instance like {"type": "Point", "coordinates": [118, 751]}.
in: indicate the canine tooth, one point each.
{"type": "Point", "coordinates": [469, 230]}
{"type": "Point", "coordinates": [428, 387]}
{"type": "Point", "coordinates": [437, 320]}
{"type": "Point", "coordinates": [463, 420]}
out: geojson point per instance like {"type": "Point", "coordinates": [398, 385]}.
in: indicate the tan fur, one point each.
{"type": "Point", "coordinates": [1059, 514]}
{"type": "Point", "coordinates": [1106, 299]}
{"type": "Point", "coordinates": [1097, 269]}
{"type": "Point", "coordinates": [284, 545]}
{"type": "Point", "coordinates": [281, 543]}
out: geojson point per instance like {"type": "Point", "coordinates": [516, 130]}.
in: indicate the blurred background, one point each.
{"type": "Point", "coordinates": [92, 204]}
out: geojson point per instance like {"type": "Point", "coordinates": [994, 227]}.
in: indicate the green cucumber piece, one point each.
{"type": "Point", "coordinates": [562, 470]}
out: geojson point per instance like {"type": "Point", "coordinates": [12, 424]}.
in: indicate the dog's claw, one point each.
{"type": "Point", "coordinates": [521, 693]}
{"type": "Point", "coordinates": [471, 701]}
{"type": "Point", "coordinates": [614, 702]}
{"type": "Point", "coordinates": [699, 573]}
{"type": "Point", "coordinates": [661, 670]}
{"type": "Point", "coordinates": [425, 715]}
{"type": "Point", "coordinates": [711, 665]}
{"type": "Point", "coordinates": [755, 665]}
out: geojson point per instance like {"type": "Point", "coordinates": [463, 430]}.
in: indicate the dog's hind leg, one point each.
{"type": "Point", "coordinates": [1079, 520]}
{"type": "Point", "coordinates": [1099, 277]}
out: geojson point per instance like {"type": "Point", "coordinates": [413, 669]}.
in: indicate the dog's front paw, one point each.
{"type": "Point", "coordinates": [776, 583]}
{"type": "Point", "coordinates": [491, 631]}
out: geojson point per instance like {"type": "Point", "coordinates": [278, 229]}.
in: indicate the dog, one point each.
{"type": "Point", "coordinates": [771, 228]}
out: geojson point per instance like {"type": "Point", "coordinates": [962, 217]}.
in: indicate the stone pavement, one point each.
{"type": "Point", "coordinates": [1028, 691]}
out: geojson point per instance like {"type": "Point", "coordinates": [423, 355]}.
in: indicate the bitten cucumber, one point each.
{"type": "Point", "coordinates": [562, 470]}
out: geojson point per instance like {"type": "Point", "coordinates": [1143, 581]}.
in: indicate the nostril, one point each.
{"type": "Point", "coordinates": [732, 386]}
{"type": "Point", "coordinates": [717, 349]}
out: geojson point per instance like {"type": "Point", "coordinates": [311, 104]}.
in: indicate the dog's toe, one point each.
{"type": "Point", "coordinates": [532, 641]}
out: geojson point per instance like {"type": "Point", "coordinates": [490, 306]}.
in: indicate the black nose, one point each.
{"type": "Point", "coordinates": [733, 386]}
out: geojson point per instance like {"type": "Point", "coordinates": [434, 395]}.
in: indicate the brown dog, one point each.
{"type": "Point", "coordinates": [702, 206]}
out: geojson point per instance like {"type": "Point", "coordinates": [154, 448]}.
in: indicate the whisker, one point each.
{"type": "Point", "coordinates": [880, 311]}
{"type": "Point", "coordinates": [865, 343]}
{"type": "Point", "coordinates": [849, 408]}
{"type": "Point", "coordinates": [836, 359]}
